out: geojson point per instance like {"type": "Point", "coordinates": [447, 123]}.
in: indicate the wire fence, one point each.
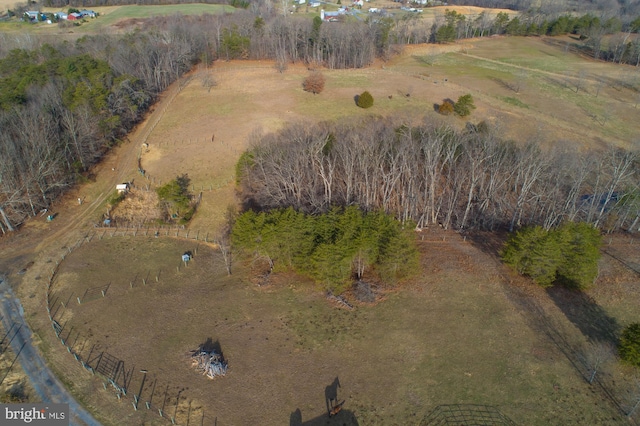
{"type": "Point", "coordinates": [11, 330]}
{"type": "Point", "coordinates": [115, 374]}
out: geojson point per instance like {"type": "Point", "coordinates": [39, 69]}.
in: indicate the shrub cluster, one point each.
{"type": "Point", "coordinates": [332, 248]}
{"type": "Point", "coordinates": [446, 107]}
{"type": "Point", "coordinates": [314, 83]}
{"type": "Point", "coordinates": [175, 199]}
{"type": "Point", "coordinates": [629, 345]}
{"type": "Point", "coordinates": [567, 255]}
{"type": "Point", "coordinates": [365, 100]}
{"type": "Point", "coordinates": [462, 108]}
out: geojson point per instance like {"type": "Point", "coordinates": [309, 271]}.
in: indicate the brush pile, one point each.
{"type": "Point", "coordinates": [209, 363]}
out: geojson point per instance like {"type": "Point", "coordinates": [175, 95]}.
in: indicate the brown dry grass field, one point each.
{"type": "Point", "coordinates": [465, 332]}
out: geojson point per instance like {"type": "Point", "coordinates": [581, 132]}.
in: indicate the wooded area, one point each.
{"type": "Point", "coordinates": [334, 248]}
{"type": "Point", "coordinates": [432, 174]}
{"type": "Point", "coordinates": [62, 106]}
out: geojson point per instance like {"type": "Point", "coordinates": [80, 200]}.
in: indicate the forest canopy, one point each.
{"type": "Point", "coordinates": [62, 106]}
{"type": "Point", "coordinates": [433, 174]}
{"type": "Point", "coordinates": [333, 248]}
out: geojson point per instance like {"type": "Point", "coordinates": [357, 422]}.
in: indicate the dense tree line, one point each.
{"type": "Point", "coordinates": [62, 107]}
{"type": "Point", "coordinates": [333, 248]}
{"type": "Point", "coordinates": [567, 255]}
{"type": "Point", "coordinates": [603, 38]}
{"type": "Point", "coordinates": [94, 3]}
{"type": "Point", "coordinates": [432, 174]}
{"type": "Point", "coordinates": [550, 7]}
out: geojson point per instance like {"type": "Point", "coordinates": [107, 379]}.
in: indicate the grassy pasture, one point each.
{"type": "Point", "coordinates": [465, 332]}
{"type": "Point", "coordinates": [251, 96]}
{"type": "Point", "coordinates": [567, 94]}
{"type": "Point", "coordinates": [110, 16]}
{"type": "Point", "coordinates": [457, 335]}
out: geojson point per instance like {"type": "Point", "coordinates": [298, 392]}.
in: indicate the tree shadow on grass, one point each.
{"type": "Point", "coordinates": [592, 321]}
{"type": "Point", "coordinates": [589, 317]}
{"type": "Point", "coordinates": [343, 418]}
{"type": "Point", "coordinates": [577, 311]}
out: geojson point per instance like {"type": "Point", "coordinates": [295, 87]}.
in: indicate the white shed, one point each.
{"type": "Point", "coordinates": [122, 188]}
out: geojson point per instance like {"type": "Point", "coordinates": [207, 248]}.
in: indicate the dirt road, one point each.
{"type": "Point", "coordinates": [34, 240]}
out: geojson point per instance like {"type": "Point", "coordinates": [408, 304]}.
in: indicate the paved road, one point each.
{"type": "Point", "coordinates": [45, 383]}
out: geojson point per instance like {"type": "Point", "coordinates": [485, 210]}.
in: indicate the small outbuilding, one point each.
{"type": "Point", "coordinates": [187, 256]}
{"type": "Point", "coordinates": [122, 188]}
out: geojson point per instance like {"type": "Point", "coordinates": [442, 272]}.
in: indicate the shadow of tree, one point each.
{"type": "Point", "coordinates": [504, 84]}
{"type": "Point", "coordinates": [583, 311]}
{"type": "Point", "coordinates": [343, 418]}
{"type": "Point", "coordinates": [593, 322]}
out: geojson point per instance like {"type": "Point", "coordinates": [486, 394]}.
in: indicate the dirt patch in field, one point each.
{"type": "Point", "coordinates": [129, 24]}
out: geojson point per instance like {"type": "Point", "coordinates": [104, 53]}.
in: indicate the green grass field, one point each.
{"type": "Point", "coordinates": [109, 16]}
{"type": "Point", "coordinates": [136, 11]}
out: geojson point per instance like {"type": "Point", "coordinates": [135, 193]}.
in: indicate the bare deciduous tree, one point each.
{"type": "Point", "coordinates": [314, 83]}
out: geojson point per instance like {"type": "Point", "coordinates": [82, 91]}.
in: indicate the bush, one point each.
{"type": "Point", "coordinates": [446, 107]}
{"type": "Point", "coordinates": [464, 106]}
{"type": "Point", "coordinates": [314, 83]}
{"type": "Point", "coordinates": [116, 198]}
{"type": "Point", "coordinates": [176, 198]}
{"type": "Point", "coordinates": [629, 344]}
{"type": "Point", "coordinates": [568, 255]}
{"type": "Point", "coordinates": [365, 100]}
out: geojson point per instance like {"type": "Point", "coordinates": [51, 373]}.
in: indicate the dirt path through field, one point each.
{"type": "Point", "coordinates": [520, 67]}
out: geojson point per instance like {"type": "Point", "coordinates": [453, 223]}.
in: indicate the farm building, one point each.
{"type": "Point", "coordinates": [122, 188]}
{"type": "Point", "coordinates": [32, 15]}
{"type": "Point", "coordinates": [330, 16]}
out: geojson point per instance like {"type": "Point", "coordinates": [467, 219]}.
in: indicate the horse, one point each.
{"type": "Point", "coordinates": [331, 396]}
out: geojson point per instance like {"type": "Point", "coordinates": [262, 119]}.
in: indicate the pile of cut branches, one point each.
{"type": "Point", "coordinates": [209, 363]}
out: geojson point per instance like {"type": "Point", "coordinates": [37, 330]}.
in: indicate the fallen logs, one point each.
{"type": "Point", "coordinates": [341, 301]}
